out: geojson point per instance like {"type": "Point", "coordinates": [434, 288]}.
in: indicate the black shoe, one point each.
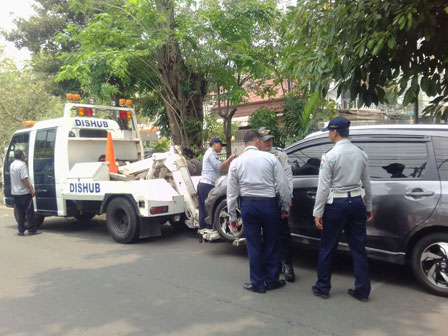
{"type": "Point", "coordinates": [32, 233]}
{"type": "Point", "coordinates": [251, 288]}
{"type": "Point", "coordinates": [279, 284]}
{"type": "Point", "coordinates": [289, 273]}
{"type": "Point", "coordinates": [357, 296]}
{"type": "Point", "coordinates": [21, 234]}
{"type": "Point", "coordinates": [316, 292]}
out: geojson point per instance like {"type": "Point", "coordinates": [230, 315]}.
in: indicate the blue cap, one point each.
{"type": "Point", "coordinates": [337, 123]}
{"type": "Point", "coordinates": [216, 140]}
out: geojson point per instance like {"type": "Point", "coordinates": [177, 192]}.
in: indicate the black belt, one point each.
{"type": "Point", "coordinates": [256, 198]}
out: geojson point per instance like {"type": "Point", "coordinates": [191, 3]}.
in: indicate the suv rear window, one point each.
{"type": "Point", "coordinates": [441, 149]}
{"type": "Point", "coordinates": [396, 159]}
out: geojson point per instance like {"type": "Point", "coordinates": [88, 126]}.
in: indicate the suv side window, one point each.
{"type": "Point", "coordinates": [306, 160]}
{"type": "Point", "coordinates": [441, 150]}
{"type": "Point", "coordinates": [396, 158]}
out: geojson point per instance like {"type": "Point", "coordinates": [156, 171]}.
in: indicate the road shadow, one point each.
{"type": "Point", "coordinates": [172, 285]}
{"type": "Point", "coordinates": [148, 297]}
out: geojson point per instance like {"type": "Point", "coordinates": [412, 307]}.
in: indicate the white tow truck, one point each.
{"type": "Point", "coordinates": [66, 162]}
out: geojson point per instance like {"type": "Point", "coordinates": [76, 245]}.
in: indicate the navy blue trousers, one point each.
{"type": "Point", "coordinates": [24, 208]}
{"type": "Point", "coordinates": [348, 214]}
{"type": "Point", "coordinates": [285, 241]}
{"type": "Point", "coordinates": [203, 191]}
{"type": "Point", "coordinates": [261, 220]}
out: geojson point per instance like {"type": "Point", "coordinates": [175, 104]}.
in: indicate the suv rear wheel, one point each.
{"type": "Point", "coordinates": [430, 262]}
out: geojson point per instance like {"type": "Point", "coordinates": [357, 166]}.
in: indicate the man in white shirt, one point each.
{"type": "Point", "coordinates": [257, 177]}
{"type": "Point", "coordinates": [23, 194]}
{"type": "Point", "coordinates": [211, 171]}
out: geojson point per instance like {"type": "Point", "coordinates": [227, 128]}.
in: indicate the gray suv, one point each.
{"type": "Point", "coordinates": [409, 175]}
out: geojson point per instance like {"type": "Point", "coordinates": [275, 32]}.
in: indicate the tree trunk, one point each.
{"type": "Point", "coordinates": [416, 111]}
{"type": "Point", "coordinates": [228, 132]}
{"type": "Point", "coordinates": [183, 91]}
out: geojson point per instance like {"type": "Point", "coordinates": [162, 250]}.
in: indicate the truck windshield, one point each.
{"type": "Point", "coordinates": [19, 141]}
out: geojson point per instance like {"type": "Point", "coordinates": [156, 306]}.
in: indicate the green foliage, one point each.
{"type": "Point", "coordinates": [214, 128]}
{"type": "Point", "coordinates": [37, 34]}
{"type": "Point", "coordinates": [237, 52]}
{"type": "Point", "coordinates": [301, 115]}
{"type": "Point", "coordinates": [161, 146]}
{"type": "Point", "coordinates": [294, 120]}
{"type": "Point", "coordinates": [24, 97]}
{"type": "Point", "coordinates": [267, 118]}
{"type": "Point", "coordinates": [138, 48]}
{"type": "Point", "coordinates": [177, 49]}
{"type": "Point", "coordinates": [151, 107]}
{"type": "Point", "coordinates": [364, 46]}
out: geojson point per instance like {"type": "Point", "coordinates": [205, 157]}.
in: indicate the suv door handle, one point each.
{"type": "Point", "coordinates": [311, 194]}
{"type": "Point", "coordinates": [419, 193]}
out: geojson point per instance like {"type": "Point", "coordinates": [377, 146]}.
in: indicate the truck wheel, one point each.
{"type": "Point", "coordinates": [222, 224]}
{"type": "Point", "coordinates": [430, 263]}
{"type": "Point", "coordinates": [194, 167]}
{"type": "Point", "coordinates": [85, 217]}
{"type": "Point", "coordinates": [122, 221]}
{"type": "Point", "coordinates": [38, 220]}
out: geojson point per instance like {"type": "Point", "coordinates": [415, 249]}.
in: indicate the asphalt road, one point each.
{"type": "Point", "coordinates": [74, 280]}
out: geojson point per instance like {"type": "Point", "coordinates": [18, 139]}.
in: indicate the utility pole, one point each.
{"type": "Point", "coordinates": [416, 111]}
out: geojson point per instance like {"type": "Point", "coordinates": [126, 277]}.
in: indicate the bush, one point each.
{"type": "Point", "coordinates": [161, 146]}
{"type": "Point", "coordinates": [267, 118]}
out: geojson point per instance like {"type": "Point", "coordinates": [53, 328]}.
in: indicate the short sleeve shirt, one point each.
{"type": "Point", "coordinates": [18, 171]}
{"type": "Point", "coordinates": [211, 165]}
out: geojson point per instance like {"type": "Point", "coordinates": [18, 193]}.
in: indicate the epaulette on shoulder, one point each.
{"type": "Point", "coordinates": [279, 149]}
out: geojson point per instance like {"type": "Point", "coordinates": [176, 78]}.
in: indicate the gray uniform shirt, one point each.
{"type": "Point", "coordinates": [18, 171]}
{"type": "Point", "coordinates": [210, 166]}
{"type": "Point", "coordinates": [283, 158]}
{"type": "Point", "coordinates": [344, 168]}
{"type": "Point", "coordinates": [256, 174]}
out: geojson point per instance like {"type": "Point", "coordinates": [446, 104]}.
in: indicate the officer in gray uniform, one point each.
{"type": "Point", "coordinates": [285, 234]}
{"type": "Point", "coordinates": [211, 170]}
{"type": "Point", "coordinates": [257, 177]}
{"type": "Point", "coordinates": [340, 207]}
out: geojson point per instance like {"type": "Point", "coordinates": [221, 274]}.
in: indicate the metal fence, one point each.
{"type": "Point", "coordinates": [237, 148]}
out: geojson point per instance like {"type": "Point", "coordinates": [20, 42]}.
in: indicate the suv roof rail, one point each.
{"type": "Point", "coordinates": [433, 127]}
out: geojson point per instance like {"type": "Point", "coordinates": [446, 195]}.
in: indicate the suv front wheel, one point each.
{"type": "Point", "coordinates": [430, 262]}
{"type": "Point", "coordinates": [222, 223]}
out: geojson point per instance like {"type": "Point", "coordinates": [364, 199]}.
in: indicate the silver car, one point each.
{"type": "Point", "coordinates": [409, 174]}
